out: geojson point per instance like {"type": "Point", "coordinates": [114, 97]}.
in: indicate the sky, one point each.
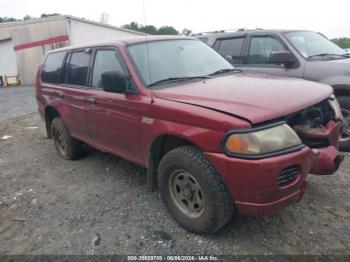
{"type": "Point", "coordinates": [329, 17]}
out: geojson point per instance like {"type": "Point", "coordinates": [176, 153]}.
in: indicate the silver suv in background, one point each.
{"type": "Point", "coordinates": [293, 53]}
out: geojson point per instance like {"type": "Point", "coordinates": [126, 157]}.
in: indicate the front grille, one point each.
{"type": "Point", "coordinates": [287, 175]}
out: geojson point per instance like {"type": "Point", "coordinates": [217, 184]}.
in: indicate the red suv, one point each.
{"type": "Point", "coordinates": [215, 140]}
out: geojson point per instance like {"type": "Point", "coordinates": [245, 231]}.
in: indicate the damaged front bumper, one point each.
{"type": "Point", "coordinates": [324, 143]}
{"type": "Point", "coordinates": [327, 161]}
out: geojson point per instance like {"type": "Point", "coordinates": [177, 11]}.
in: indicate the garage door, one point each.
{"type": "Point", "coordinates": [8, 65]}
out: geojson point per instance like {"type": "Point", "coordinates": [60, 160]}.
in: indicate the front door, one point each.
{"type": "Point", "coordinates": [257, 56]}
{"type": "Point", "coordinates": [114, 118]}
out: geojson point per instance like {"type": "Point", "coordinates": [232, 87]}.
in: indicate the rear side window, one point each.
{"type": "Point", "coordinates": [231, 47]}
{"type": "Point", "coordinates": [77, 68]}
{"type": "Point", "coordinates": [52, 67]}
{"type": "Point", "coordinates": [105, 60]}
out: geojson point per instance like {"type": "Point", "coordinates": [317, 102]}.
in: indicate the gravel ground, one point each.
{"type": "Point", "coordinates": [100, 205]}
{"type": "Point", "coordinates": [16, 101]}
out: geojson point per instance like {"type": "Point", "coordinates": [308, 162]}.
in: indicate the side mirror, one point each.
{"type": "Point", "coordinates": [282, 57]}
{"type": "Point", "coordinates": [114, 81]}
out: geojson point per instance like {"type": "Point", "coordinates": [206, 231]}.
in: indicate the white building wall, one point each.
{"type": "Point", "coordinates": [84, 32]}
{"type": "Point", "coordinates": [29, 32]}
{"type": "Point", "coordinates": [8, 65]}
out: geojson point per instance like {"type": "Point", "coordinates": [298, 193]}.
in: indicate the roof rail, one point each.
{"type": "Point", "coordinates": [226, 31]}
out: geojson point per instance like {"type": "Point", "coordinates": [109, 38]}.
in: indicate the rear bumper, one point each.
{"type": "Point", "coordinates": [253, 183]}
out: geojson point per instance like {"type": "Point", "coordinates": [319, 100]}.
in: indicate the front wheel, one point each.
{"type": "Point", "coordinates": [193, 191]}
{"type": "Point", "coordinates": [344, 142]}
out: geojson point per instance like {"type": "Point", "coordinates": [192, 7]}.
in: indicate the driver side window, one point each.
{"type": "Point", "coordinates": [261, 48]}
{"type": "Point", "coordinates": [105, 60]}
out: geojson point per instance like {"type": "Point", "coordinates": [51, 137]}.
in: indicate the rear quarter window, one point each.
{"type": "Point", "coordinates": [52, 67]}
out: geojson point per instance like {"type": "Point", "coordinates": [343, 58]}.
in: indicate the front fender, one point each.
{"type": "Point", "coordinates": [204, 138]}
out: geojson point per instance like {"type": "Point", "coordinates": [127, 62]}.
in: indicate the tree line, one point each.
{"type": "Point", "coordinates": [147, 29]}
{"type": "Point", "coordinates": [343, 42]}
{"type": "Point", "coordinates": [152, 30]}
{"type": "Point", "coordinates": [6, 19]}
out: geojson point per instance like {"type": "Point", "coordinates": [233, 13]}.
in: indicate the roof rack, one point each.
{"type": "Point", "coordinates": [226, 31]}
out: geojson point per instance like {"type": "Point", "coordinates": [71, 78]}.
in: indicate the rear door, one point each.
{"type": "Point", "coordinates": [114, 118]}
{"type": "Point", "coordinates": [74, 92]}
{"type": "Point", "coordinates": [257, 54]}
{"type": "Point", "coordinates": [231, 48]}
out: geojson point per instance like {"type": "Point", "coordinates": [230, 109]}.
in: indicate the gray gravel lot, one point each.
{"type": "Point", "coordinates": [16, 101]}
{"type": "Point", "coordinates": [100, 205]}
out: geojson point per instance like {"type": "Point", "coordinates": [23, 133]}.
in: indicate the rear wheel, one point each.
{"type": "Point", "coordinates": [66, 146]}
{"type": "Point", "coordinates": [344, 143]}
{"type": "Point", "coordinates": [193, 191]}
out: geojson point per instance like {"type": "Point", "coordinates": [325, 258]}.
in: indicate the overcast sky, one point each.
{"type": "Point", "coordinates": [329, 17]}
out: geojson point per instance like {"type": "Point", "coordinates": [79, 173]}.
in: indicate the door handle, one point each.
{"type": "Point", "coordinates": [91, 101]}
{"type": "Point", "coordinates": [61, 95]}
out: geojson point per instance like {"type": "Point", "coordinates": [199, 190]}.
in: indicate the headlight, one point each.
{"type": "Point", "coordinates": [262, 141]}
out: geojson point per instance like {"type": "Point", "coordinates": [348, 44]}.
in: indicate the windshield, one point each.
{"type": "Point", "coordinates": [312, 44]}
{"type": "Point", "coordinates": [169, 59]}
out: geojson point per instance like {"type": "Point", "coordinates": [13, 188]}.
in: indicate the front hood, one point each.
{"type": "Point", "coordinates": [254, 97]}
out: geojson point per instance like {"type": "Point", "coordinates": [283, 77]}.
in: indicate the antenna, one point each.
{"type": "Point", "coordinates": [147, 47]}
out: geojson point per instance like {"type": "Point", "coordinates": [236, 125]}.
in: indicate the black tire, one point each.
{"type": "Point", "coordinates": [344, 143]}
{"type": "Point", "coordinates": [218, 205]}
{"type": "Point", "coordinates": [66, 146]}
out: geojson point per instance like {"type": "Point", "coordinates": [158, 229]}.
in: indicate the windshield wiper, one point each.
{"type": "Point", "coordinates": [326, 54]}
{"type": "Point", "coordinates": [176, 79]}
{"type": "Point", "coordinates": [223, 71]}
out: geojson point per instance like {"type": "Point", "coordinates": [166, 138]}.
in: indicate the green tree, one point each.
{"type": "Point", "coordinates": [149, 29]}
{"type": "Point", "coordinates": [152, 30]}
{"type": "Point", "coordinates": [186, 31]}
{"type": "Point", "coordinates": [6, 19]}
{"type": "Point", "coordinates": [343, 42]}
{"type": "Point", "coordinates": [167, 30]}
{"type": "Point", "coordinates": [27, 17]}
{"type": "Point", "coordinates": [132, 26]}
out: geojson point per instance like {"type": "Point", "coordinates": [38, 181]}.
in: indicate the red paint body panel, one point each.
{"type": "Point", "coordinates": [258, 98]}
{"type": "Point", "coordinates": [71, 104]}
{"type": "Point", "coordinates": [114, 123]}
{"type": "Point", "coordinates": [327, 161]}
{"type": "Point", "coordinates": [255, 182]}
{"type": "Point", "coordinates": [200, 112]}
{"type": "Point", "coordinates": [253, 209]}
